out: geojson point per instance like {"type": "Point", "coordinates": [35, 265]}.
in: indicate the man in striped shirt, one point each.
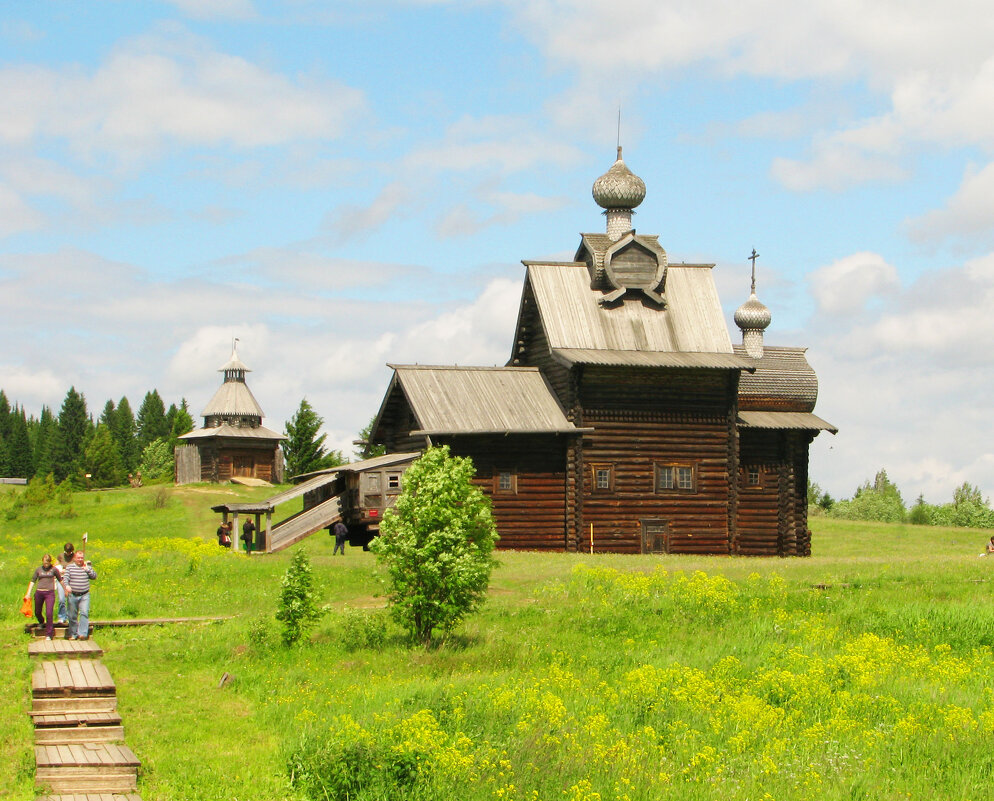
{"type": "Point", "coordinates": [76, 578]}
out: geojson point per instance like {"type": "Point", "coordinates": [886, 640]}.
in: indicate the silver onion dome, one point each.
{"type": "Point", "coordinates": [619, 187]}
{"type": "Point", "coordinates": [753, 315]}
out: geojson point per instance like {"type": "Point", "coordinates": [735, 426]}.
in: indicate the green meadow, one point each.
{"type": "Point", "coordinates": [865, 671]}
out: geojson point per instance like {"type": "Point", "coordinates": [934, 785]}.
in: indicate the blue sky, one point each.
{"type": "Point", "coordinates": [341, 185]}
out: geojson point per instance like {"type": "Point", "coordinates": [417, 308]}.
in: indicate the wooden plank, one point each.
{"type": "Point", "coordinates": [49, 705]}
{"type": "Point", "coordinates": [62, 648]}
{"type": "Point", "coordinates": [57, 735]}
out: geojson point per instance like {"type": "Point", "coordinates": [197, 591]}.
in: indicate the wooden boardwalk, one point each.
{"type": "Point", "coordinates": [80, 753]}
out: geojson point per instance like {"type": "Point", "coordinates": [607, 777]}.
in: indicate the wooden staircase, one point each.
{"type": "Point", "coordinates": [80, 753]}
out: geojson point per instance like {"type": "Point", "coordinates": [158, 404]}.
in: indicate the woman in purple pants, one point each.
{"type": "Point", "coordinates": [44, 580]}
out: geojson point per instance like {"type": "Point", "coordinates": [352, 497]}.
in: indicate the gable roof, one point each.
{"type": "Point", "coordinates": [238, 432]}
{"type": "Point", "coordinates": [572, 318]}
{"type": "Point", "coordinates": [478, 400]}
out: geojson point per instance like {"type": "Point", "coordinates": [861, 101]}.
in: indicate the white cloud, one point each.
{"type": "Point", "coordinates": [16, 215]}
{"type": "Point", "coordinates": [216, 9]}
{"type": "Point", "coordinates": [969, 214]}
{"type": "Point", "coordinates": [847, 285]}
{"type": "Point", "coordinates": [170, 87]}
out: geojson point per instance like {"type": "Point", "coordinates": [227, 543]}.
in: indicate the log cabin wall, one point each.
{"type": "Point", "coordinates": [646, 421]}
{"type": "Point", "coordinates": [530, 507]}
{"type": "Point", "coordinates": [773, 511]}
{"type": "Point", "coordinates": [221, 461]}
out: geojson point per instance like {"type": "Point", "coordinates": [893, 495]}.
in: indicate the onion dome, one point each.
{"type": "Point", "coordinates": [619, 187]}
{"type": "Point", "coordinates": [753, 315]}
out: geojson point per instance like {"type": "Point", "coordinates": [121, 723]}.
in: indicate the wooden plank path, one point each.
{"type": "Point", "coordinates": [34, 628]}
{"type": "Point", "coordinates": [80, 753]}
{"type": "Point", "coordinates": [66, 648]}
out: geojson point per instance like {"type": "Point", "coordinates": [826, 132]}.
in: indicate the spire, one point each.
{"type": "Point", "coordinates": [753, 318]}
{"type": "Point", "coordinates": [234, 369]}
{"type": "Point", "coordinates": [618, 191]}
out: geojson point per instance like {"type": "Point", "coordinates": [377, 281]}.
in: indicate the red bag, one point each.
{"type": "Point", "coordinates": [26, 607]}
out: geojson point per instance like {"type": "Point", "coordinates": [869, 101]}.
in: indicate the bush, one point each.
{"type": "Point", "coordinates": [297, 609]}
{"type": "Point", "coordinates": [157, 461]}
{"type": "Point", "coordinates": [362, 630]}
{"type": "Point", "coordinates": [437, 544]}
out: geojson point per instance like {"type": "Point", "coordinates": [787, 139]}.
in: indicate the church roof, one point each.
{"type": "Point", "coordinates": [479, 400]}
{"type": "Point", "coordinates": [240, 432]}
{"type": "Point", "coordinates": [642, 358]}
{"type": "Point", "coordinates": [572, 318]}
{"type": "Point", "coordinates": [233, 398]}
{"type": "Point", "coordinates": [781, 374]}
{"type": "Point", "coordinates": [785, 420]}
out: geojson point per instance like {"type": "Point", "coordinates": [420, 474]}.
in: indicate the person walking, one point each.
{"type": "Point", "coordinates": [65, 559]}
{"type": "Point", "coordinates": [341, 533]}
{"type": "Point", "coordinates": [76, 579]}
{"type": "Point", "coordinates": [44, 581]}
{"type": "Point", "coordinates": [224, 535]}
{"type": "Point", "coordinates": [248, 530]}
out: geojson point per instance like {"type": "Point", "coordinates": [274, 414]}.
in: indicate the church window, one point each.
{"type": "Point", "coordinates": [603, 478]}
{"type": "Point", "coordinates": [506, 481]}
{"type": "Point", "coordinates": [676, 477]}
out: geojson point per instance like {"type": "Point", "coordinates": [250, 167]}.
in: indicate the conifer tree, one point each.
{"type": "Point", "coordinates": [74, 425]}
{"type": "Point", "coordinates": [19, 457]}
{"type": "Point", "coordinates": [182, 423]}
{"type": "Point", "coordinates": [151, 421]}
{"type": "Point", "coordinates": [125, 435]}
{"type": "Point", "coordinates": [102, 459]}
{"type": "Point", "coordinates": [304, 449]}
{"type": "Point", "coordinates": [44, 442]}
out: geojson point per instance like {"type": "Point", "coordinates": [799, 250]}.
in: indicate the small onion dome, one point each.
{"type": "Point", "coordinates": [752, 315]}
{"type": "Point", "coordinates": [619, 187]}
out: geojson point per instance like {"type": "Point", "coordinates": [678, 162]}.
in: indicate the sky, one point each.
{"type": "Point", "coordinates": [342, 185]}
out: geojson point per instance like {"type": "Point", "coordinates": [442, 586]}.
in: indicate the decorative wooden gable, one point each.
{"type": "Point", "coordinates": [635, 264]}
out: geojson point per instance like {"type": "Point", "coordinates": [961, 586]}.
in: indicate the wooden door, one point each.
{"type": "Point", "coordinates": [655, 536]}
{"type": "Point", "coordinates": [243, 466]}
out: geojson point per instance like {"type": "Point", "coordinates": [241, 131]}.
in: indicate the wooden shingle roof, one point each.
{"type": "Point", "coordinates": [479, 400]}
{"type": "Point", "coordinates": [572, 318]}
{"type": "Point", "coordinates": [233, 398]}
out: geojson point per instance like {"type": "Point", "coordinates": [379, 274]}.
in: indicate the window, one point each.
{"type": "Point", "coordinates": [753, 476]}
{"type": "Point", "coordinates": [676, 477]}
{"type": "Point", "coordinates": [505, 481]}
{"type": "Point", "coordinates": [393, 481]}
{"type": "Point", "coordinates": [603, 477]}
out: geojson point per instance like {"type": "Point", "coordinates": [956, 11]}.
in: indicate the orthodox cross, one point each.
{"type": "Point", "coordinates": [753, 258]}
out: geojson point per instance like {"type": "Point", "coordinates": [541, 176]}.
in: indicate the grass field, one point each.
{"type": "Point", "coordinates": [864, 671]}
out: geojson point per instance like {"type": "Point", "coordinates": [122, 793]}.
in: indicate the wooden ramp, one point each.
{"type": "Point", "coordinates": [294, 529]}
{"type": "Point", "coordinates": [80, 753]}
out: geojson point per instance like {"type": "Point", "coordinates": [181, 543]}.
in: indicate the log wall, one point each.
{"type": "Point", "coordinates": [533, 516]}
{"type": "Point", "coordinates": [642, 418]}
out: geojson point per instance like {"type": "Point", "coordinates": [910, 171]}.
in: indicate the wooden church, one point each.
{"type": "Point", "coordinates": [625, 419]}
{"type": "Point", "coordinates": [233, 444]}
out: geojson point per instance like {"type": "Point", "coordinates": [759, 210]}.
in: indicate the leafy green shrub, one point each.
{"type": "Point", "coordinates": [880, 501]}
{"type": "Point", "coordinates": [362, 630]}
{"type": "Point", "coordinates": [437, 544]}
{"type": "Point", "coordinates": [261, 633]}
{"type": "Point", "coordinates": [297, 608]}
{"type": "Point", "coordinates": [157, 461]}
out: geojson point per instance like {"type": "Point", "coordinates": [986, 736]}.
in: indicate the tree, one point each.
{"type": "Point", "coordinates": [437, 545]}
{"type": "Point", "coordinates": [297, 608]}
{"type": "Point", "coordinates": [74, 428]}
{"type": "Point", "coordinates": [364, 448]}
{"type": "Point", "coordinates": [45, 438]}
{"type": "Point", "coordinates": [182, 422]}
{"type": "Point", "coordinates": [102, 459]}
{"type": "Point", "coordinates": [19, 457]}
{"type": "Point", "coordinates": [303, 448]}
{"type": "Point", "coordinates": [151, 421]}
{"type": "Point", "coordinates": [157, 461]}
{"type": "Point", "coordinates": [125, 435]}
{"type": "Point", "coordinates": [880, 501]}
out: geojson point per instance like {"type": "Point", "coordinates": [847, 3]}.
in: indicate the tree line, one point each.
{"type": "Point", "coordinates": [92, 451]}
{"type": "Point", "coordinates": [881, 501]}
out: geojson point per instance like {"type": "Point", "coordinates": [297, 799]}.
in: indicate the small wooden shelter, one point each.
{"type": "Point", "coordinates": [625, 419]}
{"type": "Point", "coordinates": [233, 443]}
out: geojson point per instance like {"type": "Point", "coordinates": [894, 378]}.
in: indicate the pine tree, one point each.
{"type": "Point", "coordinates": [5, 453]}
{"type": "Point", "coordinates": [74, 426]}
{"type": "Point", "coordinates": [182, 423]}
{"type": "Point", "coordinates": [364, 448]}
{"type": "Point", "coordinates": [44, 443]}
{"type": "Point", "coordinates": [102, 460]}
{"type": "Point", "coordinates": [151, 422]}
{"type": "Point", "coordinates": [125, 435]}
{"type": "Point", "coordinates": [304, 449]}
{"type": "Point", "coordinates": [19, 457]}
